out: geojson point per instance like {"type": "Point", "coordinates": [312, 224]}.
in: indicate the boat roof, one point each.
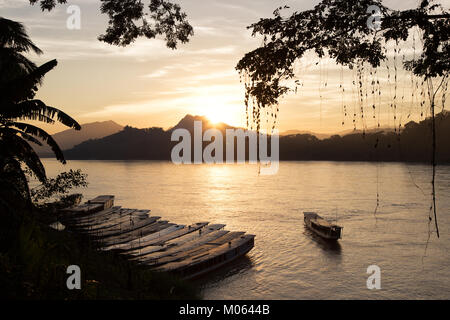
{"type": "Point", "coordinates": [314, 217]}
{"type": "Point", "coordinates": [324, 223]}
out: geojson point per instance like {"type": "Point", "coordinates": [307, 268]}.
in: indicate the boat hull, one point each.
{"type": "Point", "coordinates": [242, 252]}
{"type": "Point", "coordinates": [332, 232]}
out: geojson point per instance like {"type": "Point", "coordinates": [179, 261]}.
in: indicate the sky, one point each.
{"type": "Point", "coordinates": [147, 84]}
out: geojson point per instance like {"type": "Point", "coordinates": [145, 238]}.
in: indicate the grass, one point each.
{"type": "Point", "coordinates": [34, 260]}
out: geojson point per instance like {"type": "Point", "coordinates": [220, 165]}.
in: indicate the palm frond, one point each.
{"type": "Point", "coordinates": [26, 136]}
{"type": "Point", "coordinates": [13, 64]}
{"type": "Point", "coordinates": [34, 116]}
{"type": "Point", "coordinates": [14, 147]}
{"type": "Point", "coordinates": [37, 110]}
{"type": "Point", "coordinates": [14, 35]}
{"type": "Point", "coordinates": [44, 136]}
{"type": "Point", "coordinates": [25, 87]}
{"type": "Point", "coordinates": [14, 178]}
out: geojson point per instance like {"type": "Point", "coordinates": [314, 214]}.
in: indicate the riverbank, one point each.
{"type": "Point", "coordinates": [34, 260]}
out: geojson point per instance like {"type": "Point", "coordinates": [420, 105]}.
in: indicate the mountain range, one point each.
{"type": "Point", "coordinates": [412, 145]}
{"type": "Point", "coordinates": [68, 139]}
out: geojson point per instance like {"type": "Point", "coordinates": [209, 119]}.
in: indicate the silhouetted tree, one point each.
{"type": "Point", "coordinates": [129, 20]}
{"type": "Point", "coordinates": [19, 81]}
{"type": "Point", "coordinates": [338, 28]}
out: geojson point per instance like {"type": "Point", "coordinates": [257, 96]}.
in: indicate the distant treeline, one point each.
{"type": "Point", "coordinates": [413, 144]}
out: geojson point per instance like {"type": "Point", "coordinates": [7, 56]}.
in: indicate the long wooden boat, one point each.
{"type": "Point", "coordinates": [196, 250]}
{"type": "Point", "coordinates": [122, 217]}
{"type": "Point", "coordinates": [110, 217]}
{"type": "Point", "coordinates": [126, 218]}
{"type": "Point", "coordinates": [144, 241]}
{"type": "Point", "coordinates": [189, 251]}
{"type": "Point", "coordinates": [87, 219]}
{"type": "Point", "coordinates": [149, 246]}
{"type": "Point", "coordinates": [174, 253]}
{"type": "Point", "coordinates": [194, 235]}
{"type": "Point", "coordinates": [212, 259]}
{"type": "Point", "coordinates": [322, 227]}
{"type": "Point", "coordinates": [123, 228]}
{"type": "Point", "coordinates": [133, 240]}
{"type": "Point", "coordinates": [159, 242]}
{"type": "Point", "coordinates": [97, 204]}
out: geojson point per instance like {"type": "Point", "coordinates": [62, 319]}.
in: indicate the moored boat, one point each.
{"type": "Point", "coordinates": [322, 227]}
{"type": "Point", "coordinates": [189, 251]}
{"type": "Point", "coordinates": [212, 259]}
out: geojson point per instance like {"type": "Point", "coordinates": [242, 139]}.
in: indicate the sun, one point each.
{"type": "Point", "coordinates": [218, 110]}
{"type": "Point", "coordinates": [216, 115]}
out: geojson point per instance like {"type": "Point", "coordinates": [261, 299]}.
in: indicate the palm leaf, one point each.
{"type": "Point", "coordinates": [14, 35]}
{"type": "Point", "coordinates": [38, 110]}
{"type": "Point", "coordinates": [24, 135]}
{"type": "Point", "coordinates": [14, 64]}
{"type": "Point", "coordinates": [14, 147]}
{"type": "Point", "coordinates": [44, 136]}
{"type": "Point", "coordinates": [13, 168]}
{"type": "Point", "coordinates": [25, 87]}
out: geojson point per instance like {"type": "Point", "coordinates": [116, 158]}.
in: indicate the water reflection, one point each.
{"type": "Point", "coordinates": [239, 266]}
{"type": "Point", "coordinates": [330, 246]}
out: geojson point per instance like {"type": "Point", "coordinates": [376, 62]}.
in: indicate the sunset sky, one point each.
{"type": "Point", "coordinates": [147, 84]}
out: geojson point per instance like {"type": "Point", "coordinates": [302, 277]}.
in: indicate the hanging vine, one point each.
{"type": "Point", "coordinates": [338, 29]}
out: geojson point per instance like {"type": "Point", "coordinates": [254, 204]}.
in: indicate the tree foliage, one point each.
{"type": "Point", "coordinates": [60, 185]}
{"type": "Point", "coordinates": [338, 28]}
{"type": "Point", "coordinates": [19, 81]}
{"type": "Point", "coordinates": [129, 20]}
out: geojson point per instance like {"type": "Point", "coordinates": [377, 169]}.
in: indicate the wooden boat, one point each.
{"type": "Point", "coordinates": [322, 227]}
{"type": "Point", "coordinates": [122, 217]}
{"type": "Point", "coordinates": [144, 241]}
{"type": "Point", "coordinates": [126, 218]}
{"type": "Point", "coordinates": [194, 235]}
{"type": "Point", "coordinates": [174, 253]}
{"type": "Point", "coordinates": [97, 204]}
{"type": "Point", "coordinates": [106, 200]}
{"type": "Point", "coordinates": [123, 228]}
{"type": "Point", "coordinates": [92, 218]}
{"type": "Point", "coordinates": [132, 240]}
{"type": "Point", "coordinates": [212, 259]}
{"type": "Point", "coordinates": [159, 242]}
{"type": "Point", "coordinates": [189, 251]}
{"type": "Point", "coordinates": [196, 250]}
{"type": "Point", "coordinates": [109, 216]}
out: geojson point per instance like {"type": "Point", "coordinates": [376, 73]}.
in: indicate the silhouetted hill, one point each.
{"type": "Point", "coordinates": [188, 123]}
{"type": "Point", "coordinates": [322, 136]}
{"type": "Point", "coordinates": [412, 145]}
{"type": "Point", "coordinates": [69, 138]}
{"type": "Point", "coordinates": [296, 132]}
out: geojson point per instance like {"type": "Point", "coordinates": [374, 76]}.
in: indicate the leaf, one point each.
{"type": "Point", "coordinates": [44, 136]}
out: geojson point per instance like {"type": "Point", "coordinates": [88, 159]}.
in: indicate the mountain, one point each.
{"type": "Point", "coordinates": [295, 132]}
{"type": "Point", "coordinates": [188, 123]}
{"type": "Point", "coordinates": [412, 145]}
{"type": "Point", "coordinates": [322, 136]}
{"type": "Point", "coordinates": [69, 138]}
{"type": "Point", "coordinates": [139, 144]}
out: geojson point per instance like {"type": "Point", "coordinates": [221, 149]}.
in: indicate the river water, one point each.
{"type": "Point", "coordinates": [288, 262]}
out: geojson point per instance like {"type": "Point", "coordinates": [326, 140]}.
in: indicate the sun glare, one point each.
{"type": "Point", "coordinates": [217, 110]}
